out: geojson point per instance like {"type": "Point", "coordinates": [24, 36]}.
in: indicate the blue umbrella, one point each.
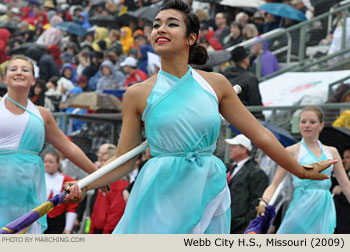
{"type": "Point", "coordinates": [283, 10]}
{"type": "Point", "coordinates": [32, 1]}
{"type": "Point", "coordinates": [283, 136]}
{"type": "Point", "coordinates": [72, 28]}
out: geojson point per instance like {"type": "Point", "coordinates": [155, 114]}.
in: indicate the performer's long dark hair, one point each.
{"type": "Point", "coordinates": [198, 54]}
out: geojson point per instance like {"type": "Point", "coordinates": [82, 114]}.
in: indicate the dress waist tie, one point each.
{"type": "Point", "coordinates": [195, 155]}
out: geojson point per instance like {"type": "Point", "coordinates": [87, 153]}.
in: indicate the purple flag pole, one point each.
{"type": "Point", "coordinates": [22, 223]}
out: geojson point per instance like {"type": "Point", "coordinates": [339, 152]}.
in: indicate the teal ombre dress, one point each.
{"type": "Point", "coordinates": [312, 209]}
{"type": "Point", "coordinates": [182, 188]}
{"type": "Point", "coordinates": [22, 176]}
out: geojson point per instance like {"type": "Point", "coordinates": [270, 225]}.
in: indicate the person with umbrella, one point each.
{"type": "Point", "coordinates": [283, 10]}
{"type": "Point", "coordinates": [24, 128]}
{"type": "Point", "coordinates": [83, 20]}
{"type": "Point", "coordinates": [183, 187]}
{"type": "Point", "coordinates": [46, 63]}
{"type": "Point", "coordinates": [300, 5]}
{"type": "Point", "coordinates": [312, 209]}
{"type": "Point", "coordinates": [53, 35]}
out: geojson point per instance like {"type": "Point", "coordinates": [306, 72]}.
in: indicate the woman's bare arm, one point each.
{"type": "Point", "coordinates": [58, 139]}
{"type": "Point", "coordinates": [237, 115]}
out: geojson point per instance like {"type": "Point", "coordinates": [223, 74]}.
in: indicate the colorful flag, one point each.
{"type": "Point", "coordinates": [22, 224]}
{"type": "Point", "coordinates": [261, 224]}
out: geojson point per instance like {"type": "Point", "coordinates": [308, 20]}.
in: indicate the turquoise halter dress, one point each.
{"type": "Point", "coordinates": [182, 188]}
{"type": "Point", "coordinates": [312, 209]}
{"type": "Point", "coordinates": [22, 176]}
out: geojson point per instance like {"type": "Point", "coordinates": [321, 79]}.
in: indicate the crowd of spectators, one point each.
{"type": "Point", "coordinates": [110, 55]}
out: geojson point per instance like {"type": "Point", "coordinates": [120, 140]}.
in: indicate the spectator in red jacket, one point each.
{"type": "Point", "coordinates": [55, 53]}
{"type": "Point", "coordinates": [206, 32]}
{"type": "Point", "coordinates": [109, 206]}
{"type": "Point", "coordinates": [4, 38]}
{"type": "Point", "coordinates": [134, 75]}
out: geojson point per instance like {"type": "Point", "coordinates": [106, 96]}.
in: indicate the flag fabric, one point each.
{"type": "Point", "coordinates": [23, 223]}
{"type": "Point", "coordinates": [261, 224]}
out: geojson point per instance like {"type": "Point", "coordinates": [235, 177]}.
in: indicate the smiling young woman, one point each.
{"type": "Point", "coordinates": [23, 130]}
{"type": "Point", "coordinates": [182, 188]}
{"type": "Point", "coordinates": [312, 209]}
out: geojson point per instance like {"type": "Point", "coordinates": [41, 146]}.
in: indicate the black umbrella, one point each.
{"type": "Point", "coordinates": [217, 58]}
{"type": "Point", "coordinates": [10, 26]}
{"type": "Point", "coordinates": [146, 12]}
{"type": "Point", "coordinates": [104, 21]}
{"type": "Point", "coordinates": [283, 136]}
{"type": "Point", "coordinates": [336, 137]}
{"type": "Point", "coordinates": [21, 49]}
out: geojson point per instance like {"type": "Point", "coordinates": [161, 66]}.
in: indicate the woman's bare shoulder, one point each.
{"type": "Point", "coordinates": [45, 113]}
{"type": "Point", "coordinates": [217, 81]}
{"type": "Point", "coordinates": [137, 94]}
{"type": "Point", "coordinates": [211, 76]}
{"type": "Point", "coordinates": [293, 149]}
{"type": "Point", "coordinates": [332, 150]}
{"type": "Point", "coordinates": [150, 81]}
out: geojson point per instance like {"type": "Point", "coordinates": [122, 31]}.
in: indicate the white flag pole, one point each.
{"type": "Point", "coordinates": [112, 165]}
